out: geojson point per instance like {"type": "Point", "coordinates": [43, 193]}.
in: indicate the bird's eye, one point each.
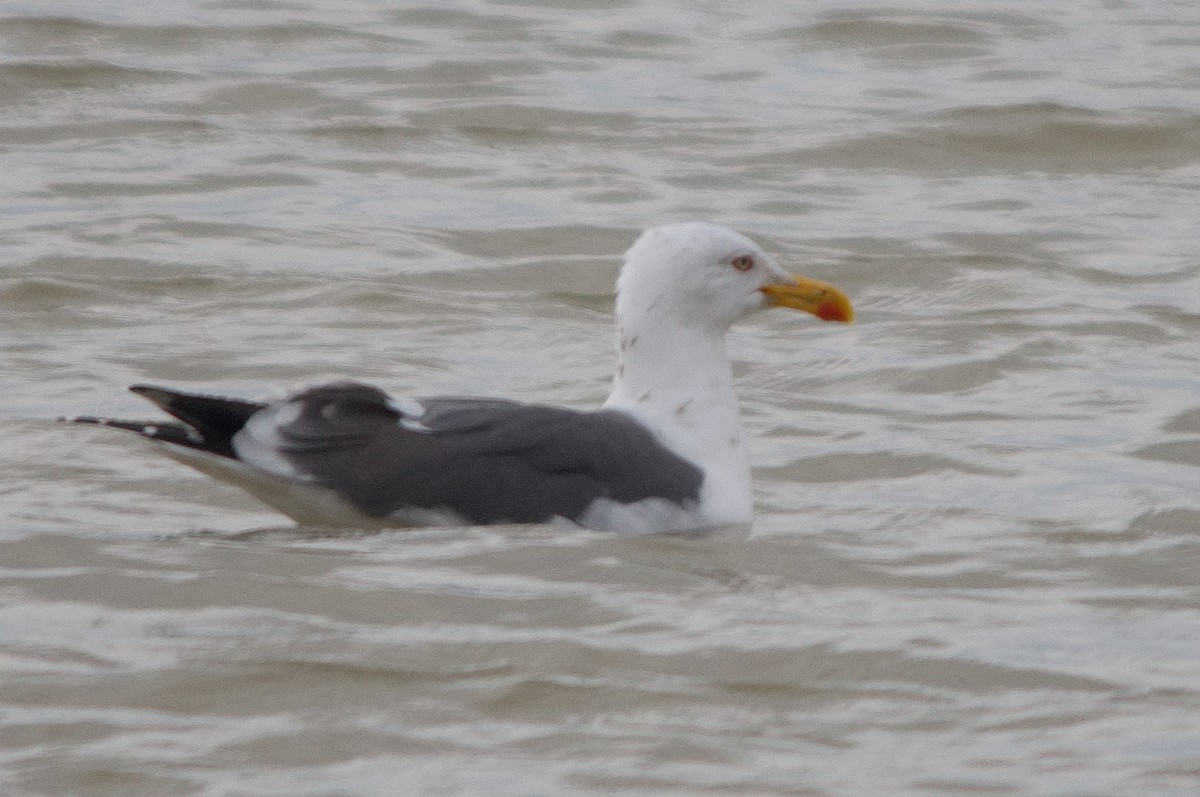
{"type": "Point", "coordinates": [742, 262]}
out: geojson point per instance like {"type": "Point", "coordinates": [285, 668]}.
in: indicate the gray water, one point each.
{"type": "Point", "coordinates": [975, 562]}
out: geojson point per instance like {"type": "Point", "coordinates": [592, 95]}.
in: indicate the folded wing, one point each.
{"type": "Point", "coordinates": [484, 460]}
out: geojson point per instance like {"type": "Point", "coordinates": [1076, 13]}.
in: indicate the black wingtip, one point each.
{"type": "Point", "coordinates": [85, 419]}
{"type": "Point", "coordinates": [162, 431]}
{"type": "Point", "coordinates": [215, 419]}
{"type": "Point", "coordinates": [158, 395]}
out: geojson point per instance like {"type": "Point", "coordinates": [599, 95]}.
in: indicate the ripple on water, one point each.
{"type": "Point", "coordinates": [973, 564]}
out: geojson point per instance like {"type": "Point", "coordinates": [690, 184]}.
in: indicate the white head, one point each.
{"type": "Point", "coordinates": [705, 276]}
{"type": "Point", "coordinates": [680, 290]}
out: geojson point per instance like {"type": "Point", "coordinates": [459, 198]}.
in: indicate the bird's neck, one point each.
{"type": "Point", "coordinates": [679, 383]}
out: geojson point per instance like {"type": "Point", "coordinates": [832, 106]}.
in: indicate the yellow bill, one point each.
{"type": "Point", "coordinates": [812, 296]}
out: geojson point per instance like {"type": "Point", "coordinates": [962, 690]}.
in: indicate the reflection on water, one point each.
{"type": "Point", "coordinates": [973, 565]}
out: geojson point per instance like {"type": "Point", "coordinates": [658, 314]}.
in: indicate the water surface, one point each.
{"type": "Point", "coordinates": [974, 566]}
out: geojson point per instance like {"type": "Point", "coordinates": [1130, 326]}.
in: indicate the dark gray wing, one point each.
{"type": "Point", "coordinates": [488, 461]}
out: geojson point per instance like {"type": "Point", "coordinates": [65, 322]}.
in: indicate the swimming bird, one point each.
{"type": "Point", "coordinates": [664, 452]}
